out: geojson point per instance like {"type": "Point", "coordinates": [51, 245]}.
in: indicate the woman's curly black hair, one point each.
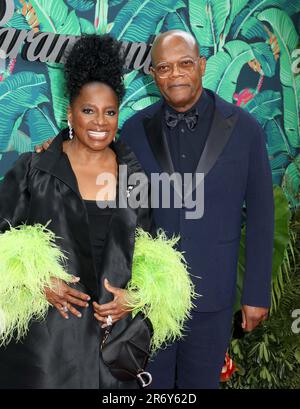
{"type": "Point", "coordinates": [94, 58]}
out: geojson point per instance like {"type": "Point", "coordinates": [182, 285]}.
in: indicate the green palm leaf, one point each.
{"type": "Point", "coordinates": [54, 17]}
{"type": "Point", "coordinates": [58, 91]}
{"type": "Point", "coordinates": [19, 93]}
{"type": "Point", "coordinates": [113, 3]}
{"type": "Point", "coordinates": [253, 28]}
{"type": "Point", "coordinates": [175, 21]}
{"type": "Point", "coordinates": [18, 21]}
{"type": "Point", "coordinates": [277, 140]}
{"type": "Point", "coordinates": [279, 163]}
{"type": "Point", "coordinates": [144, 103]}
{"type": "Point", "coordinates": [288, 40]}
{"type": "Point", "coordinates": [139, 88]}
{"type": "Point", "coordinates": [208, 19]}
{"type": "Point", "coordinates": [278, 144]}
{"type": "Point", "coordinates": [256, 6]}
{"type": "Point", "coordinates": [223, 69]}
{"type": "Point", "coordinates": [265, 106]}
{"type": "Point", "coordinates": [281, 229]}
{"type": "Point", "coordinates": [19, 142]}
{"type": "Point", "coordinates": [81, 5]}
{"type": "Point", "coordinates": [236, 6]}
{"type": "Point", "coordinates": [86, 26]}
{"type": "Point", "coordinates": [40, 125]}
{"type": "Point", "coordinates": [291, 182]}
{"type": "Point", "coordinates": [128, 78]}
{"type": "Point", "coordinates": [277, 175]}
{"type": "Point", "coordinates": [101, 16]}
{"type": "Point", "coordinates": [125, 114]}
{"type": "Point", "coordinates": [140, 93]}
{"type": "Point", "coordinates": [138, 19]}
{"type": "Point", "coordinates": [264, 55]}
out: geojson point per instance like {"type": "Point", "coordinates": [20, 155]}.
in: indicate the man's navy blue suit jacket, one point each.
{"type": "Point", "coordinates": [237, 171]}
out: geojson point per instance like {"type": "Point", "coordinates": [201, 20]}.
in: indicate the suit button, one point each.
{"type": "Point", "coordinates": [182, 130]}
{"type": "Point", "coordinates": [183, 156]}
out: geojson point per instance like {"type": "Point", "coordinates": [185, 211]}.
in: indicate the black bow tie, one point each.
{"type": "Point", "coordinates": [190, 117]}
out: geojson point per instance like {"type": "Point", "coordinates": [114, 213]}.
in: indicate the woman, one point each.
{"type": "Point", "coordinates": [60, 186]}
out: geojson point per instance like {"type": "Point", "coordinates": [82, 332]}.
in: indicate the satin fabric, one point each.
{"type": "Point", "coordinates": [60, 353]}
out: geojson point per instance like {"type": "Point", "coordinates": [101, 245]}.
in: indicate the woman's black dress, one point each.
{"type": "Point", "coordinates": [60, 353]}
{"type": "Point", "coordinates": [99, 220]}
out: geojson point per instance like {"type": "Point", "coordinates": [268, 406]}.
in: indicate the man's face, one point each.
{"type": "Point", "coordinates": [181, 88]}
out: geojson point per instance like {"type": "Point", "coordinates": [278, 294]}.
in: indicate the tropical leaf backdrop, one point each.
{"type": "Point", "coordinates": [253, 60]}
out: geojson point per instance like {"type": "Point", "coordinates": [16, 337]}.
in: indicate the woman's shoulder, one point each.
{"type": "Point", "coordinates": [23, 162]}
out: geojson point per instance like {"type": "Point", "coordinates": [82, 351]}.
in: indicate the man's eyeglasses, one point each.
{"type": "Point", "coordinates": [184, 66]}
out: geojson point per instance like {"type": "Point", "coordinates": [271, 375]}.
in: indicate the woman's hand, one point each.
{"type": "Point", "coordinates": [62, 296]}
{"type": "Point", "coordinates": [44, 146]}
{"type": "Point", "coordinates": [116, 309]}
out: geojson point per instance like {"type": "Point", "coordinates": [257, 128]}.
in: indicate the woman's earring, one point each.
{"type": "Point", "coordinates": [70, 130]}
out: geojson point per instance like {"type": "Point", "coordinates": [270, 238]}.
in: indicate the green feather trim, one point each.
{"type": "Point", "coordinates": [160, 286]}
{"type": "Point", "coordinates": [29, 259]}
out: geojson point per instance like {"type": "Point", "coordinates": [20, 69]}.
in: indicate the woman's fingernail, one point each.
{"type": "Point", "coordinates": [79, 315]}
{"type": "Point", "coordinates": [87, 304]}
{"type": "Point", "coordinates": [66, 317]}
{"type": "Point", "coordinates": [88, 298]}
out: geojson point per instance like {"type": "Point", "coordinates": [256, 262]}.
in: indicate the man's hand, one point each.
{"type": "Point", "coordinates": [252, 316]}
{"type": "Point", "coordinates": [44, 147]}
{"type": "Point", "coordinates": [116, 308]}
{"type": "Point", "coordinates": [62, 296]}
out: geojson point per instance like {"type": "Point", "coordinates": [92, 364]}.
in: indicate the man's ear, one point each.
{"type": "Point", "coordinates": [203, 65]}
{"type": "Point", "coordinates": [152, 73]}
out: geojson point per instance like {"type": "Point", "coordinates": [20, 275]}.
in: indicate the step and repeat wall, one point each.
{"type": "Point", "coordinates": [253, 60]}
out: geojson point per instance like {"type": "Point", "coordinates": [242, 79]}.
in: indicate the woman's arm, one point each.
{"type": "Point", "coordinates": [14, 210]}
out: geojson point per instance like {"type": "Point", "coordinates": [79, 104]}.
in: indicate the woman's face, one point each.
{"type": "Point", "coordinates": [94, 115]}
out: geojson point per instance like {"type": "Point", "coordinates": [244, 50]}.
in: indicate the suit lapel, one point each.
{"type": "Point", "coordinates": [158, 141]}
{"type": "Point", "coordinates": [217, 139]}
{"type": "Point", "coordinates": [220, 131]}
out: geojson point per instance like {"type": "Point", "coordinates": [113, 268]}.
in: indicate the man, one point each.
{"type": "Point", "coordinates": [192, 130]}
